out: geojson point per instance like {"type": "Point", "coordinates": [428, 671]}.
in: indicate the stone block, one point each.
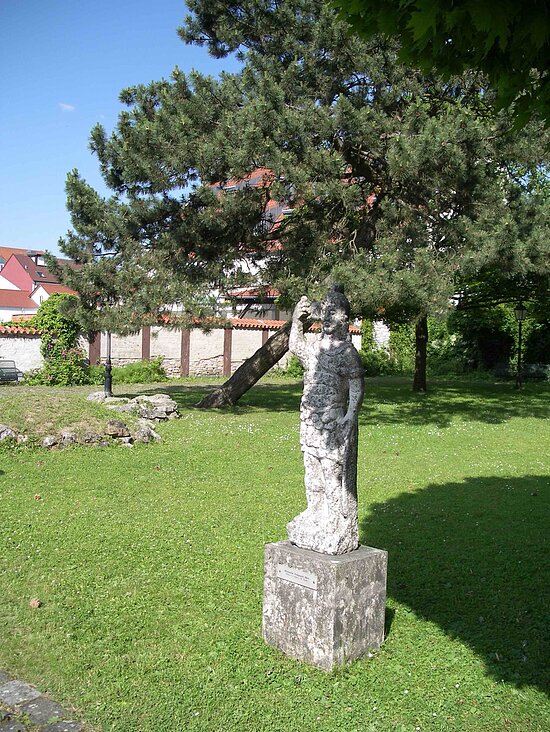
{"type": "Point", "coordinates": [324, 609]}
{"type": "Point", "coordinates": [64, 727]}
{"type": "Point", "coordinates": [17, 692]}
{"type": "Point", "coordinates": [12, 725]}
{"type": "Point", "coordinates": [43, 711]}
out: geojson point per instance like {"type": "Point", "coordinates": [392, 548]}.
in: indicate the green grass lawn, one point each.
{"type": "Point", "coordinates": [149, 565]}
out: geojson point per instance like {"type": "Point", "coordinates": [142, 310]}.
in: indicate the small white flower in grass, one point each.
{"type": "Point", "coordinates": [456, 686]}
{"type": "Point", "coordinates": [406, 691]}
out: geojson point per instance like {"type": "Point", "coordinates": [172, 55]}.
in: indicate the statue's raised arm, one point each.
{"type": "Point", "coordinates": [333, 392]}
{"type": "Point", "coordinates": [297, 342]}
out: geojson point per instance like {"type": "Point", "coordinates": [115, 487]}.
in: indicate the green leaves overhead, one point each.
{"type": "Point", "coordinates": [507, 40]}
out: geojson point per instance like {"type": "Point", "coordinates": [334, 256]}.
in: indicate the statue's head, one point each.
{"type": "Point", "coordinates": [335, 311]}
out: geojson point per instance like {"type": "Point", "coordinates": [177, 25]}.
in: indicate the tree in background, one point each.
{"type": "Point", "coordinates": [386, 174]}
{"type": "Point", "coordinates": [508, 41]}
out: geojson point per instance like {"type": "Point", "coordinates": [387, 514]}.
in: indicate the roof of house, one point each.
{"type": "Point", "coordinates": [258, 177]}
{"type": "Point", "coordinates": [53, 288]}
{"type": "Point", "coordinates": [6, 252]}
{"type": "Point", "coordinates": [253, 293]}
{"type": "Point", "coordinates": [16, 299]}
{"type": "Point", "coordinates": [38, 273]}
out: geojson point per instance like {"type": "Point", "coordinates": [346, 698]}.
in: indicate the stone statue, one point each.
{"type": "Point", "coordinates": [333, 392]}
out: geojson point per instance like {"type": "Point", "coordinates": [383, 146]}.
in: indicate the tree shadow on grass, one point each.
{"type": "Point", "coordinates": [473, 401]}
{"type": "Point", "coordinates": [391, 401]}
{"type": "Point", "coordinates": [262, 397]}
{"type": "Point", "coordinates": [473, 557]}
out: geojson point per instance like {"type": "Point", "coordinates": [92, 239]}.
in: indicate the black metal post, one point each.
{"type": "Point", "coordinates": [108, 383]}
{"type": "Point", "coordinates": [519, 376]}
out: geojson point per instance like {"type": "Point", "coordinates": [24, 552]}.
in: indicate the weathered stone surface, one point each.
{"type": "Point", "coordinates": [64, 727]}
{"type": "Point", "coordinates": [116, 428]}
{"type": "Point", "coordinates": [91, 438]}
{"type": "Point", "coordinates": [22, 439]}
{"type": "Point", "coordinates": [161, 401]}
{"type": "Point", "coordinates": [96, 396]}
{"type": "Point", "coordinates": [158, 407]}
{"type": "Point", "coordinates": [127, 408]}
{"type": "Point", "coordinates": [11, 725]}
{"type": "Point", "coordinates": [6, 433]}
{"type": "Point", "coordinates": [50, 441]}
{"type": "Point", "coordinates": [68, 437]}
{"type": "Point", "coordinates": [43, 711]}
{"type": "Point", "coordinates": [324, 609]}
{"type": "Point", "coordinates": [333, 392]}
{"type": "Point", "coordinates": [115, 401]}
{"type": "Point", "coordinates": [4, 678]}
{"type": "Point", "coordinates": [145, 433]}
{"type": "Point", "coordinates": [17, 692]}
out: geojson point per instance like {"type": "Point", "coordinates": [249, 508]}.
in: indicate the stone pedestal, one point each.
{"type": "Point", "coordinates": [324, 609]}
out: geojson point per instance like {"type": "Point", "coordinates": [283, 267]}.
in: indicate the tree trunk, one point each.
{"type": "Point", "coordinates": [249, 372]}
{"type": "Point", "coordinates": [421, 328]}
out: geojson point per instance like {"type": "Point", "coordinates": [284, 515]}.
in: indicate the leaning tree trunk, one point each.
{"type": "Point", "coordinates": [249, 372]}
{"type": "Point", "coordinates": [419, 383]}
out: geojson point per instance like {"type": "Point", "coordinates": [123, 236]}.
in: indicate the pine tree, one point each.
{"type": "Point", "coordinates": [386, 173]}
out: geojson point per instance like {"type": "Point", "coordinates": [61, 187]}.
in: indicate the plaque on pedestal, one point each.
{"type": "Point", "coordinates": [324, 609]}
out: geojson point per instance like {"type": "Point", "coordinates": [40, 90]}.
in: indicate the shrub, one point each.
{"type": "Point", "coordinates": [376, 362]}
{"type": "Point", "coordinates": [537, 343]}
{"type": "Point", "coordinates": [402, 348]}
{"type": "Point", "coordinates": [64, 362]}
{"type": "Point", "coordinates": [444, 349]}
{"type": "Point", "coordinates": [293, 369]}
{"type": "Point", "coordinates": [140, 372]}
{"type": "Point", "coordinates": [62, 368]}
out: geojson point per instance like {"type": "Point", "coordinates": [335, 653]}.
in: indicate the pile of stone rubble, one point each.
{"type": "Point", "coordinates": [150, 410]}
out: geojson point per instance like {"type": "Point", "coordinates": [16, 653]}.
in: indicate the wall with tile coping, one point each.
{"type": "Point", "coordinates": [206, 350]}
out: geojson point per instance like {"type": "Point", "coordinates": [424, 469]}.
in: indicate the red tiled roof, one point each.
{"type": "Point", "coordinates": [260, 176]}
{"type": "Point", "coordinates": [17, 330]}
{"type": "Point", "coordinates": [53, 288]}
{"type": "Point", "coordinates": [6, 252]}
{"type": "Point", "coordinates": [253, 292]}
{"type": "Point", "coordinates": [16, 299]}
{"type": "Point", "coordinates": [33, 269]}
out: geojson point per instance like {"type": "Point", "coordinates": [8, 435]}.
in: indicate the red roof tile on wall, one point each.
{"type": "Point", "coordinates": [262, 324]}
{"type": "Point", "coordinates": [256, 324]}
{"type": "Point", "coordinates": [18, 330]}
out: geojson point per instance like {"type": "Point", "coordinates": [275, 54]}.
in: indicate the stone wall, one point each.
{"type": "Point", "coordinates": [23, 349]}
{"type": "Point", "coordinates": [243, 344]}
{"type": "Point", "coordinates": [206, 352]}
{"type": "Point", "coordinates": [194, 353]}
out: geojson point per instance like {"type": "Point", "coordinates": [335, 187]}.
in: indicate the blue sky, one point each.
{"type": "Point", "coordinates": [62, 66]}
